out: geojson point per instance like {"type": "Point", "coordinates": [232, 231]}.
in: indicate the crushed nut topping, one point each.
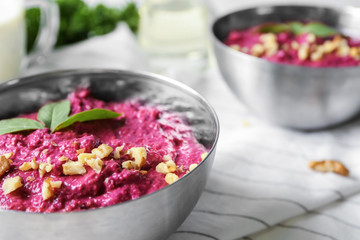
{"type": "Point", "coordinates": [235, 47]}
{"type": "Point", "coordinates": [354, 53]}
{"type": "Point", "coordinates": [167, 158]}
{"type": "Point", "coordinates": [48, 188]}
{"type": "Point", "coordinates": [30, 178]}
{"type": "Point", "coordinates": [139, 154]}
{"type": "Point", "coordinates": [4, 164]}
{"type": "Point", "coordinates": [118, 151]}
{"type": "Point", "coordinates": [310, 38]}
{"type": "Point", "coordinates": [171, 178]}
{"type": "Point", "coordinates": [329, 166]}
{"type": "Point", "coordinates": [54, 144]}
{"type": "Point", "coordinates": [102, 151]}
{"type": "Point", "coordinates": [257, 50]}
{"type": "Point", "coordinates": [8, 155]}
{"type": "Point", "coordinates": [63, 159]}
{"type": "Point", "coordinates": [11, 184]}
{"type": "Point", "coordinates": [128, 164]}
{"type": "Point", "coordinates": [304, 51]}
{"type": "Point", "coordinates": [203, 156]}
{"type": "Point", "coordinates": [79, 151]}
{"type": "Point", "coordinates": [143, 172]}
{"type": "Point", "coordinates": [96, 164]}
{"type": "Point", "coordinates": [162, 168]}
{"type": "Point", "coordinates": [83, 157]}
{"type": "Point", "coordinates": [26, 166]}
{"type": "Point", "coordinates": [295, 45]}
{"type": "Point", "coordinates": [166, 167]}
{"type": "Point", "coordinates": [73, 168]}
{"type": "Point", "coordinates": [192, 166]}
{"type": "Point", "coordinates": [45, 167]}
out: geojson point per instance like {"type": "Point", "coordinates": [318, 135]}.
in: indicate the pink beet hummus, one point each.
{"type": "Point", "coordinates": [302, 49]}
{"type": "Point", "coordinates": [160, 132]}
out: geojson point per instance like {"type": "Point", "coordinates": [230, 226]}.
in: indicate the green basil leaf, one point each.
{"type": "Point", "coordinates": [274, 28]}
{"type": "Point", "coordinates": [296, 27]}
{"type": "Point", "coordinates": [18, 124]}
{"type": "Point", "coordinates": [319, 29]}
{"type": "Point", "coordinates": [60, 113]}
{"type": "Point", "coordinates": [93, 114]}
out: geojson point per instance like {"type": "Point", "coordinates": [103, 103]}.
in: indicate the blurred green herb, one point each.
{"type": "Point", "coordinates": [55, 117]}
{"type": "Point", "coordinates": [316, 28]}
{"type": "Point", "coordinates": [78, 21]}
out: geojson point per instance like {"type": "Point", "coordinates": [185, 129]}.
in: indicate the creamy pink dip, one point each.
{"type": "Point", "coordinates": [160, 132]}
{"type": "Point", "coordinates": [346, 53]}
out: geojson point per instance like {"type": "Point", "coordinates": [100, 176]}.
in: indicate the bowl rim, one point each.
{"type": "Point", "coordinates": [257, 60]}
{"type": "Point", "coordinates": [140, 74]}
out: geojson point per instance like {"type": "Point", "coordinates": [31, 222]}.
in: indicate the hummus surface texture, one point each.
{"type": "Point", "coordinates": [56, 180]}
{"type": "Point", "coordinates": [304, 49]}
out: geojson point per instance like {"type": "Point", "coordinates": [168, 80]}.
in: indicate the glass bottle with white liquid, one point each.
{"type": "Point", "coordinates": [174, 34]}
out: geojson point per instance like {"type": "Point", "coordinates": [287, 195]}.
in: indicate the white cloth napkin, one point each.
{"type": "Point", "coordinates": [260, 176]}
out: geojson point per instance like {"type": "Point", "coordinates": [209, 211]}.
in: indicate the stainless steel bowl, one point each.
{"type": "Point", "coordinates": [154, 216]}
{"type": "Point", "coordinates": [291, 96]}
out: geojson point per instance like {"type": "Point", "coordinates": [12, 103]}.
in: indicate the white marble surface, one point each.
{"type": "Point", "coordinates": [260, 186]}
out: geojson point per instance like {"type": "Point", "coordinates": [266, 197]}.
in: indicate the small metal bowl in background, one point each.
{"type": "Point", "coordinates": [292, 96]}
{"type": "Point", "coordinates": [154, 216]}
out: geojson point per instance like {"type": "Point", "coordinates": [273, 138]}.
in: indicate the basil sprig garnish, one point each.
{"type": "Point", "coordinates": [54, 116]}
{"type": "Point", "coordinates": [316, 28]}
{"type": "Point", "coordinates": [19, 124]}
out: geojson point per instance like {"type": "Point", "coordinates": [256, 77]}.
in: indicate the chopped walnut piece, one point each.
{"type": "Point", "coordinates": [83, 157]}
{"type": "Point", "coordinates": [304, 51]}
{"type": "Point", "coordinates": [235, 47]}
{"type": "Point", "coordinates": [270, 43]}
{"type": "Point", "coordinates": [63, 159]}
{"type": "Point", "coordinates": [171, 166]}
{"type": "Point", "coordinates": [96, 164]}
{"type": "Point", "coordinates": [192, 166]}
{"type": "Point", "coordinates": [317, 55]}
{"type": "Point", "coordinates": [8, 155]}
{"type": "Point", "coordinates": [329, 166]}
{"type": "Point", "coordinates": [268, 37]}
{"type": "Point", "coordinates": [143, 172]}
{"type": "Point", "coordinates": [310, 38]}
{"type": "Point", "coordinates": [162, 168]}
{"type": "Point", "coordinates": [30, 178]}
{"type": "Point", "coordinates": [79, 151]}
{"type": "Point", "coordinates": [257, 50]}
{"type": "Point", "coordinates": [203, 156]}
{"type": "Point", "coordinates": [166, 167]}
{"type": "Point", "coordinates": [55, 184]}
{"type": "Point", "coordinates": [102, 151]}
{"type": "Point", "coordinates": [139, 154]}
{"type": "Point", "coordinates": [295, 45]}
{"type": "Point", "coordinates": [26, 166]}
{"type": "Point", "coordinates": [11, 184]}
{"type": "Point", "coordinates": [354, 53]}
{"type": "Point", "coordinates": [4, 164]}
{"type": "Point", "coordinates": [54, 144]}
{"type": "Point", "coordinates": [47, 191]}
{"type": "Point", "coordinates": [343, 49]}
{"type": "Point", "coordinates": [48, 188]}
{"type": "Point", "coordinates": [45, 167]}
{"type": "Point", "coordinates": [118, 151]}
{"type": "Point", "coordinates": [128, 164]}
{"type": "Point", "coordinates": [73, 168]}
{"type": "Point", "coordinates": [171, 178]}
{"type": "Point", "coordinates": [167, 158]}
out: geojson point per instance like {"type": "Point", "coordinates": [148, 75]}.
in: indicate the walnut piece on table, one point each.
{"type": "Point", "coordinates": [329, 166]}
